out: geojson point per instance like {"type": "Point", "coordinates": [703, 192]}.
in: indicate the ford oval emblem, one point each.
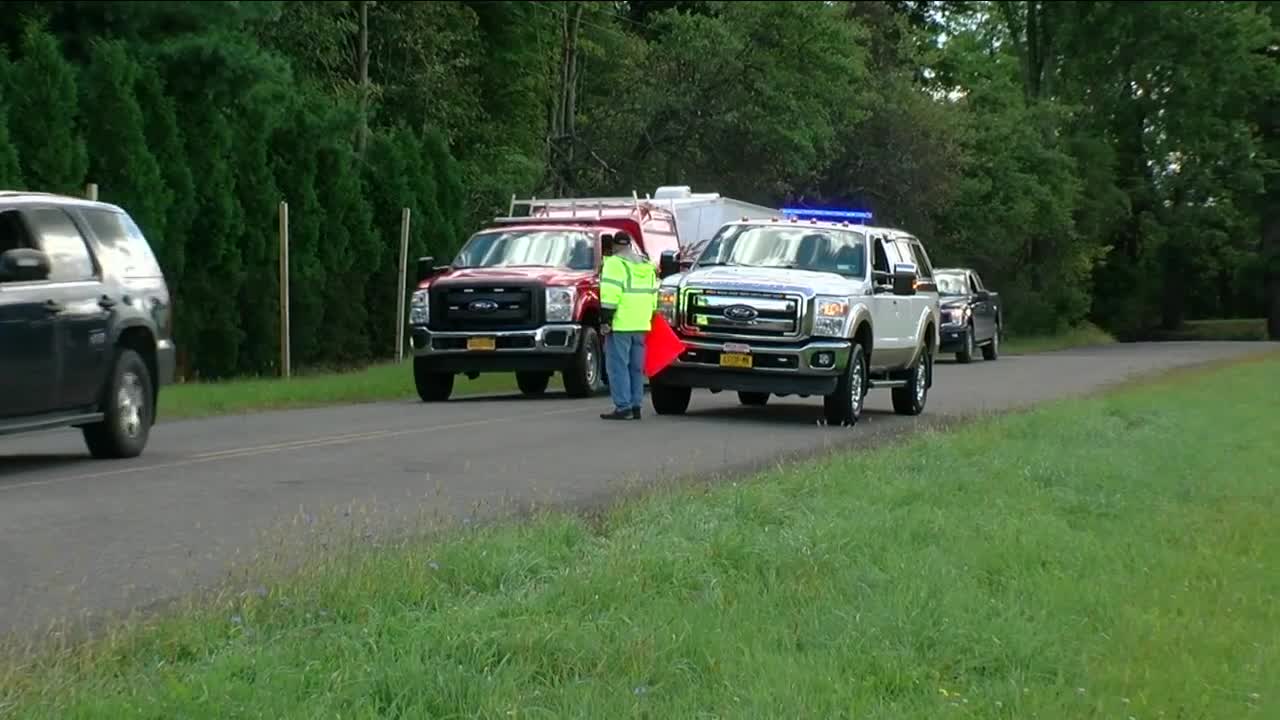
{"type": "Point", "coordinates": [741, 313]}
{"type": "Point", "coordinates": [483, 306]}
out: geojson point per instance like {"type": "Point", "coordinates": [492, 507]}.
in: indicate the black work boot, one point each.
{"type": "Point", "coordinates": [616, 415]}
{"type": "Point", "coordinates": [635, 413]}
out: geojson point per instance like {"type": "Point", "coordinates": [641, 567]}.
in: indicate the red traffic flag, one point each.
{"type": "Point", "coordinates": [661, 347]}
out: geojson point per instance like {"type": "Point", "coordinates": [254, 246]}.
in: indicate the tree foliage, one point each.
{"type": "Point", "coordinates": [1110, 161]}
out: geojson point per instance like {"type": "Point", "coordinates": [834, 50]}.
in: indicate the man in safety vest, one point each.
{"type": "Point", "coordinates": [628, 301]}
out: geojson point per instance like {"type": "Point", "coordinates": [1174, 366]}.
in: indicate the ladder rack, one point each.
{"type": "Point", "coordinates": [596, 205]}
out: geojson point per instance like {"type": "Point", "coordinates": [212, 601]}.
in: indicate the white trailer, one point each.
{"type": "Point", "coordinates": [700, 215]}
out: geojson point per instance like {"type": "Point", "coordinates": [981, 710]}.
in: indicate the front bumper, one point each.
{"type": "Point", "coordinates": [808, 368]}
{"type": "Point", "coordinates": [547, 348]}
{"type": "Point", "coordinates": [952, 338]}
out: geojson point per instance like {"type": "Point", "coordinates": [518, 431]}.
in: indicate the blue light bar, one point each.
{"type": "Point", "coordinates": [849, 214]}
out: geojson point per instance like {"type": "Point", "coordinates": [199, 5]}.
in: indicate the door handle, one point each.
{"type": "Point", "coordinates": [53, 306]}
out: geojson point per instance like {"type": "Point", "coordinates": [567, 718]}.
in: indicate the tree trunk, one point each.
{"type": "Point", "coordinates": [563, 137]}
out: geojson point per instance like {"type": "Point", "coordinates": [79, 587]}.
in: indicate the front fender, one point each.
{"type": "Point", "coordinates": [926, 330]}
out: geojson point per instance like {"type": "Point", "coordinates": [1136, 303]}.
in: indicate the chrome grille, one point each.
{"type": "Point", "coordinates": [743, 315]}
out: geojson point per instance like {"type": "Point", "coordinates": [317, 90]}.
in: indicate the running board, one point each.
{"type": "Point", "coordinates": [50, 421]}
{"type": "Point", "coordinates": [877, 384]}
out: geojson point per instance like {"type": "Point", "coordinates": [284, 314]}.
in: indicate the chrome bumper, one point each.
{"type": "Point", "coordinates": [554, 339]}
{"type": "Point", "coordinates": [791, 360]}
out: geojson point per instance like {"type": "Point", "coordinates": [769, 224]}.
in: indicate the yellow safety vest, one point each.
{"type": "Point", "coordinates": [630, 289]}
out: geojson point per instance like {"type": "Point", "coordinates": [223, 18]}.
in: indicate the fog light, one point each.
{"type": "Point", "coordinates": [824, 359]}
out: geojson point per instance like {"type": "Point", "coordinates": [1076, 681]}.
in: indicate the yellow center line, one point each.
{"type": "Point", "coordinates": [325, 441]}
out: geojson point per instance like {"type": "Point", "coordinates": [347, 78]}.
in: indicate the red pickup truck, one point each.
{"type": "Point", "coordinates": [523, 296]}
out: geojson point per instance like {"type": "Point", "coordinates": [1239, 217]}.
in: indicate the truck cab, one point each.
{"type": "Point", "coordinates": [523, 296]}
{"type": "Point", "coordinates": [802, 305]}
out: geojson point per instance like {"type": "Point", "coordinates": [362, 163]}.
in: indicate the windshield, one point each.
{"type": "Point", "coordinates": [571, 249]}
{"type": "Point", "coordinates": [952, 284]}
{"type": "Point", "coordinates": [796, 248]}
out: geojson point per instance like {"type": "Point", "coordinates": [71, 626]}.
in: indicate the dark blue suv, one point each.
{"type": "Point", "coordinates": [85, 322]}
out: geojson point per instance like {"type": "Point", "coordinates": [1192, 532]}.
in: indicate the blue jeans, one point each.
{"type": "Point", "coordinates": [624, 361]}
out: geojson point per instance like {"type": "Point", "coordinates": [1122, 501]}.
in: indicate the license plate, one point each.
{"type": "Point", "coordinates": [735, 360]}
{"type": "Point", "coordinates": [481, 344]}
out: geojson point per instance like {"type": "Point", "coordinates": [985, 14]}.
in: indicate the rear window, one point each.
{"type": "Point", "coordinates": [124, 251]}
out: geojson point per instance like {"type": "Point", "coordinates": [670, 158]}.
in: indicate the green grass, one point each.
{"type": "Point", "coordinates": [1229, 329]}
{"type": "Point", "coordinates": [1086, 335]}
{"type": "Point", "coordinates": [390, 381]}
{"type": "Point", "coordinates": [1109, 557]}
{"type": "Point", "coordinates": [387, 381]}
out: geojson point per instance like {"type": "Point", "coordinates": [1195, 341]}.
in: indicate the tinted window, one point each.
{"type": "Point", "coordinates": [61, 241]}
{"type": "Point", "coordinates": [887, 255]}
{"type": "Point", "coordinates": [922, 260]}
{"type": "Point", "coordinates": [122, 247]}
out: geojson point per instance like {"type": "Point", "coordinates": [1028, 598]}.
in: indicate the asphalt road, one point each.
{"type": "Point", "coordinates": [80, 536]}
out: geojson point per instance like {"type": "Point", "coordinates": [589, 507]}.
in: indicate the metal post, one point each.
{"type": "Point", "coordinates": [91, 191]}
{"type": "Point", "coordinates": [285, 361]}
{"type": "Point", "coordinates": [404, 271]}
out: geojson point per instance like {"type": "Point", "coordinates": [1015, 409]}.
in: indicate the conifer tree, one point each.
{"type": "Point", "coordinates": [44, 116]}
{"type": "Point", "coordinates": [120, 161]}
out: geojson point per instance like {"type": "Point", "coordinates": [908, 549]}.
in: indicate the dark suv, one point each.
{"type": "Point", "coordinates": [85, 322]}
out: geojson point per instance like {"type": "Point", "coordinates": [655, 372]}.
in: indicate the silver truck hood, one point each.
{"type": "Point", "coordinates": [802, 282]}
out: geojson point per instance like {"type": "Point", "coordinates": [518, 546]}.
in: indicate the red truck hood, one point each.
{"type": "Point", "coordinates": [548, 276]}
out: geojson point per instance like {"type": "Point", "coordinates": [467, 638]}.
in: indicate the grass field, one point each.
{"type": "Point", "coordinates": [1232, 329]}
{"type": "Point", "coordinates": [1113, 557]}
{"type": "Point", "coordinates": [391, 382]}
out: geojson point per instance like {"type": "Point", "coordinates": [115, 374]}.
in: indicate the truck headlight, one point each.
{"type": "Point", "coordinates": [667, 304]}
{"type": "Point", "coordinates": [419, 308]}
{"type": "Point", "coordinates": [829, 316]}
{"type": "Point", "coordinates": [560, 303]}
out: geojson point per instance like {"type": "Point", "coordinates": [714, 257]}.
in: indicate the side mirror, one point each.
{"type": "Point", "coordinates": [426, 267]}
{"type": "Point", "coordinates": [904, 279]}
{"type": "Point", "coordinates": [983, 296]}
{"type": "Point", "coordinates": [24, 265]}
{"type": "Point", "coordinates": [668, 265]}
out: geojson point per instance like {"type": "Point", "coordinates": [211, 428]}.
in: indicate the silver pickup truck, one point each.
{"type": "Point", "coordinates": [791, 306]}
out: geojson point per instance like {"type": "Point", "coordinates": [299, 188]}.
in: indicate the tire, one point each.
{"type": "Point", "coordinates": [755, 399]}
{"type": "Point", "coordinates": [533, 383]}
{"type": "Point", "coordinates": [128, 402]}
{"type": "Point", "coordinates": [844, 406]}
{"type": "Point", "coordinates": [670, 399]}
{"type": "Point", "coordinates": [432, 386]}
{"type": "Point", "coordinates": [911, 399]}
{"type": "Point", "coordinates": [965, 356]}
{"type": "Point", "coordinates": [585, 375]}
{"type": "Point", "coordinates": [991, 351]}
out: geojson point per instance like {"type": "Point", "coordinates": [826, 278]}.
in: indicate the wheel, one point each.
{"type": "Point", "coordinates": [991, 351]}
{"type": "Point", "coordinates": [432, 386]}
{"type": "Point", "coordinates": [966, 355]}
{"type": "Point", "coordinates": [844, 406]}
{"type": "Point", "coordinates": [128, 404]}
{"type": "Point", "coordinates": [910, 399]}
{"type": "Point", "coordinates": [533, 383]}
{"type": "Point", "coordinates": [584, 376]}
{"type": "Point", "coordinates": [669, 399]}
{"type": "Point", "coordinates": [756, 399]}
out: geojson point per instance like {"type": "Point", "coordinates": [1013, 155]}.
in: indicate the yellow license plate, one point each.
{"type": "Point", "coordinates": [735, 360]}
{"type": "Point", "coordinates": [481, 344]}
